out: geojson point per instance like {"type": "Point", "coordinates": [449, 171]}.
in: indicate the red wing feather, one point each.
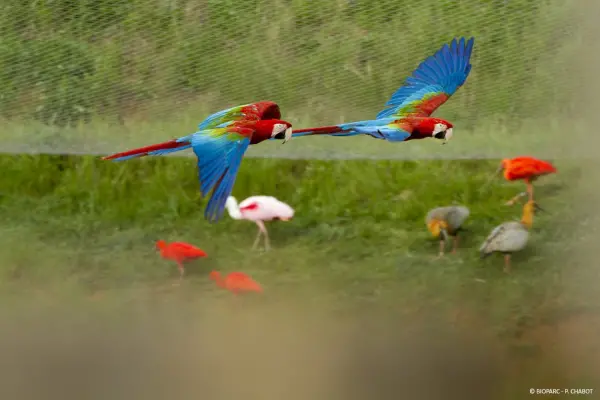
{"type": "Point", "coordinates": [187, 249]}
{"type": "Point", "coordinates": [240, 280]}
{"type": "Point", "coordinates": [427, 107]}
{"type": "Point", "coordinates": [263, 110]}
{"type": "Point", "coordinates": [251, 206]}
{"type": "Point", "coordinates": [527, 167]}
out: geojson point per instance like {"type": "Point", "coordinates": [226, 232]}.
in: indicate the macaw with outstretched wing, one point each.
{"type": "Point", "coordinates": [407, 115]}
{"type": "Point", "coordinates": [220, 144]}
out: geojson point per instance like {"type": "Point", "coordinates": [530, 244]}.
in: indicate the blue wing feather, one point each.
{"type": "Point", "coordinates": [219, 159]}
{"type": "Point", "coordinates": [216, 204]}
{"type": "Point", "coordinates": [443, 72]}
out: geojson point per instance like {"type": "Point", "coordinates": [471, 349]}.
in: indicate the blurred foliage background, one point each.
{"type": "Point", "coordinates": [95, 64]}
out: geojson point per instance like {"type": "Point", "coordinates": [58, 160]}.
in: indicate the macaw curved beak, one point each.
{"type": "Point", "coordinates": [447, 135]}
{"type": "Point", "coordinates": [288, 135]}
{"type": "Point", "coordinates": [444, 135]}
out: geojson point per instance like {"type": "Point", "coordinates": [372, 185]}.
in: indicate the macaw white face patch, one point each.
{"type": "Point", "coordinates": [277, 129]}
{"type": "Point", "coordinates": [439, 127]}
{"type": "Point", "coordinates": [442, 131]}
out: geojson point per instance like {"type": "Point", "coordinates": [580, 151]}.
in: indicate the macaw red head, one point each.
{"type": "Point", "coordinates": [436, 128]}
{"type": "Point", "coordinates": [274, 128]}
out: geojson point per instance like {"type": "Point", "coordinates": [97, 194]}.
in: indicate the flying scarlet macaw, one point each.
{"type": "Point", "coordinates": [408, 112]}
{"type": "Point", "coordinates": [219, 145]}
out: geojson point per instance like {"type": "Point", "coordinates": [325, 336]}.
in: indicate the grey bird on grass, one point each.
{"type": "Point", "coordinates": [511, 236]}
{"type": "Point", "coordinates": [446, 222]}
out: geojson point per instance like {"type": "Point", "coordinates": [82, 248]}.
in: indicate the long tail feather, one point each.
{"type": "Point", "coordinates": [379, 129]}
{"type": "Point", "coordinates": [153, 150]}
{"type": "Point", "coordinates": [324, 130]}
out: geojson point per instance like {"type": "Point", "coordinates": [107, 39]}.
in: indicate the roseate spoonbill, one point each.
{"type": "Point", "coordinates": [407, 115]}
{"type": "Point", "coordinates": [220, 144]}
{"type": "Point", "coordinates": [236, 282]}
{"type": "Point", "coordinates": [180, 252]}
{"type": "Point", "coordinates": [259, 209]}
{"type": "Point", "coordinates": [447, 221]}
{"type": "Point", "coordinates": [524, 168]}
{"type": "Point", "coordinates": [510, 236]}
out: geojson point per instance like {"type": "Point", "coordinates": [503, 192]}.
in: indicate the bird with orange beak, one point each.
{"type": "Point", "coordinates": [446, 222]}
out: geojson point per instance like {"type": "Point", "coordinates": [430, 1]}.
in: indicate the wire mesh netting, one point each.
{"type": "Point", "coordinates": [98, 76]}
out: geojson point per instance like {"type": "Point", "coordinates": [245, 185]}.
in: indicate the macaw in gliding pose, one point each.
{"type": "Point", "coordinates": [219, 145]}
{"type": "Point", "coordinates": [407, 115]}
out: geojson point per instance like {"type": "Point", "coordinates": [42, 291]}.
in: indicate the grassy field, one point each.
{"type": "Point", "coordinates": [80, 231]}
{"type": "Point", "coordinates": [356, 305]}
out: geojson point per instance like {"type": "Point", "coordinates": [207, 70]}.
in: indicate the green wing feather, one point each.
{"type": "Point", "coordinates": [247, 112]}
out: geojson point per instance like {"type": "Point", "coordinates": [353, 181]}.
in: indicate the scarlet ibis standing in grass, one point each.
{"type": "Point", "coordinates": [180, 252]}
{"type": "Point", "coordinates": [524, 168]}
{"type": "Point", "coordinates": [407, 115]}
{"type": "Point", "coordinates": [220, 144]}
{"type": "Point", "coordinates": [259, 209]}
{"type": "Point", "coordinates": [236, 282]}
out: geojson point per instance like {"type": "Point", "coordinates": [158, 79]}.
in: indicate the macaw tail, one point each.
{"type": "Point", "coordinates": [153, 150]}
{"type": "Point", "coordinates": [324, 130]}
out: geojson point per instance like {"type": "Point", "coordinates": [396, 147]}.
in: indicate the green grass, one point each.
{"type": "Point", "coordinates": [106, 75]}
{"type": "Point", "coordinates": [358, 224]}
{"type": "Point", "coordinates": [361, 219]}
{"type": "Point", "coordinates": [75, 228]}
